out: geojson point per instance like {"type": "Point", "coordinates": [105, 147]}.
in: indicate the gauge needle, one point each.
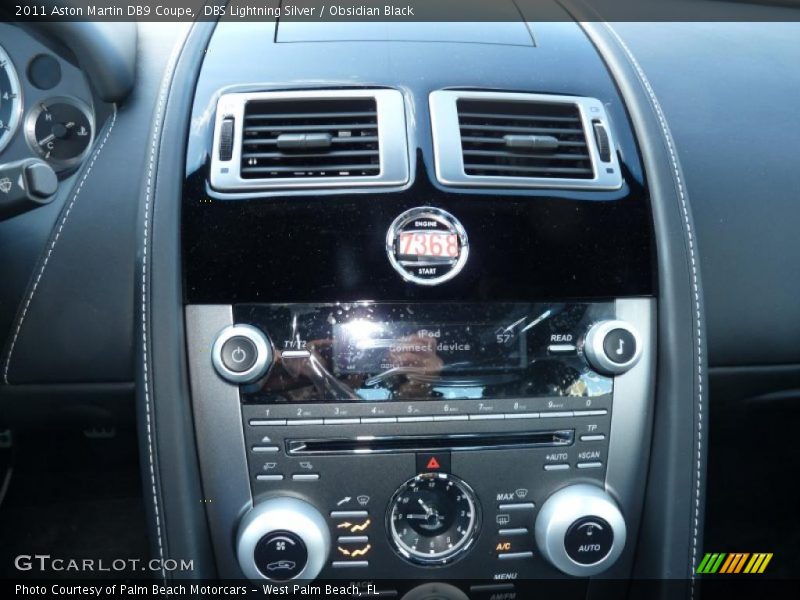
{"type": "Point", "coordinates": [46, 140]}
{"type": "Point", "coordinates": [424, 506]}
{"type": "Point", "coordinates": [417, 517]}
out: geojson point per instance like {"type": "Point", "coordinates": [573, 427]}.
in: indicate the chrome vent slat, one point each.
{"type": "Point", "coordinates": [499, 140]}
{"type": "Point", "coordinates": [505, 117]}
{"type": "Point", "coordinates": [287, 156]}
{"type": "Point", "coordinates": [322, 115]}
{"type": "Point", "coordinates": [520, 140]}
{"type": "Point", "coordinates": [514, 129]}
{"type": "Point", "coordinates": [304, 128]}
{"type": "Point", "coordinates": [336, 141]}
{"type": "Point", "coordinates": [528, 169]}
{"type": "Point", "coordinates": [527, 155]}
{"type": "Point", "coordinates": [314, 169]}
{"type": "Point", "coordinates": [312, 139]}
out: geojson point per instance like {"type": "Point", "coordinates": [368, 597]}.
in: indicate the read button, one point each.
{"type": "Point", "coordinates": [239, 354]}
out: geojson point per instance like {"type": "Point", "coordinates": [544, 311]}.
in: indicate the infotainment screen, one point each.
{"type": "Point", "coordinates": [372, 352]}
{"type": "Point", "coordinates": [378, 348]}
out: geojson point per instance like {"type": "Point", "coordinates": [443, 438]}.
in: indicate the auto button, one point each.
{"type": "Point", "coordinates": [589, 540]}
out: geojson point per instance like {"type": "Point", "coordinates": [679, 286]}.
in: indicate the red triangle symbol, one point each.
{"type": "Point", "coordinates": [433, 463]}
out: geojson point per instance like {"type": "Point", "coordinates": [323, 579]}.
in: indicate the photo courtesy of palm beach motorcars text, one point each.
{"type": "Point", "coordinates": [159, 590]}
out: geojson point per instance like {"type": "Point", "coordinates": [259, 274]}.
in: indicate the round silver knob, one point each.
{"type": "Point", "coordinates": [580, 530]}
{"type": "Point", "coordinates": [241, 354]}
{"type": "Point", "coordinates": [282, 539]}
{"type": "Point", "coordinates": [612, 347]}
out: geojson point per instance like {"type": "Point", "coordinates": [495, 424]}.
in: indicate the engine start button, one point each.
{"type": "Point", "coordinates": [427, 245]}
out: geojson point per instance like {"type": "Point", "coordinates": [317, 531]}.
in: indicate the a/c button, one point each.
{"type": "Point", "coordinates": [239, 354]}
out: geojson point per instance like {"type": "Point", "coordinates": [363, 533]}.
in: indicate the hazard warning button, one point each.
{"type": "Point", "coordinates": [433, 462]}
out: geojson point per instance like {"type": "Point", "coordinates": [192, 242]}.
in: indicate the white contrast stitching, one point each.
{"type": "Point", "coordinates": [162, 95]}
{"type": "Point", "coordinates": [53, 243]}
{"type": "Point", "coordinates": [695, 284]}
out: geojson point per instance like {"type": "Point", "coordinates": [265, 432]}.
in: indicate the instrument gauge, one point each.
{"type": "Point", "coordinates": [10, 100]}
{"type": "Point", "coordinates": [433, 518]}
{"type": "Point", "coordinates": [60, 131]}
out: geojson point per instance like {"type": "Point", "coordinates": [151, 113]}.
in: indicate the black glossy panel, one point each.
{"type": "Point", "coordinates": [333, 249]}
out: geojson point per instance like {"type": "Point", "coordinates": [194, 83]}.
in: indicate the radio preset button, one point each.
{"type": "Point", "coordinates": [267, 422]}
{"type": "Point", "coordinates": [377, 420]}
{"type": "Point", "coordinates": [591, 413]}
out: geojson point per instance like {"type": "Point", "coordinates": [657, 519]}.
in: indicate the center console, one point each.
{"type": "Point", "coordinates": [403, 440]}
{"type": "Point", "coordinates": [420, 313]}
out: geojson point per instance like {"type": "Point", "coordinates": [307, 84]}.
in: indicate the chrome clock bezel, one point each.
{"type": "Point", "coordinates": [30, 130]}
{"type": "Point", "coordinates": [441, 558]}
{"type": "Point", "coordinates": [16, 88]}
{"type": "Point", "coordinates": [453, 225]}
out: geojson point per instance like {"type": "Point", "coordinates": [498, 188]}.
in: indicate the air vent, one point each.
{"type": "Point", "coordinates": [522, 140]}
{"type": "Point", "coordinates": [309, 139]}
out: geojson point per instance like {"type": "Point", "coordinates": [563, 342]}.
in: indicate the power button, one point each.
{"type": "Point", "coordinates": [241, 354]}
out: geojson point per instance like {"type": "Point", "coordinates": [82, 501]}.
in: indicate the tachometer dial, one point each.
{"type": "Point", "coordinates": [10, 99]}
{"type": "Point", "coordinates": [433, 518]}
{"type": "Point", "coordinates": [60, 130]}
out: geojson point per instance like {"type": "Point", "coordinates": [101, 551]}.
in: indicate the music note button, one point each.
{"type": "Point", "coordinates": [612, 347]}
{"type": "Point", "coordinates": [619, 346]}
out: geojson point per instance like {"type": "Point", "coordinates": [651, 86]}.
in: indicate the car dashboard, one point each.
{"type": "Point", "coordinates": [416, 309]}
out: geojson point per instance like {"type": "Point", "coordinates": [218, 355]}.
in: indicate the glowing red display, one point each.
{"type": "Point", "coordinates": [429, 243]}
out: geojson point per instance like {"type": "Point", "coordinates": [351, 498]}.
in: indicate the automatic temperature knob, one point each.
{"type": "Point", "coordinates": [612, 347]}
{"type": "Point", "coordinates": [282, 539]}
{"type": "Point", "coordinates": [580, 530]}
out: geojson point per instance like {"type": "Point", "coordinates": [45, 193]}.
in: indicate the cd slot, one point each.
{"type": "Point", "coordinates": [428, 443]}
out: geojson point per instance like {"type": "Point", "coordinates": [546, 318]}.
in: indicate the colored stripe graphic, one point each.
{"type": "Point", "coordinates": [733, 563]}
{"type": "Point", "coordinates": [758, 563]}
